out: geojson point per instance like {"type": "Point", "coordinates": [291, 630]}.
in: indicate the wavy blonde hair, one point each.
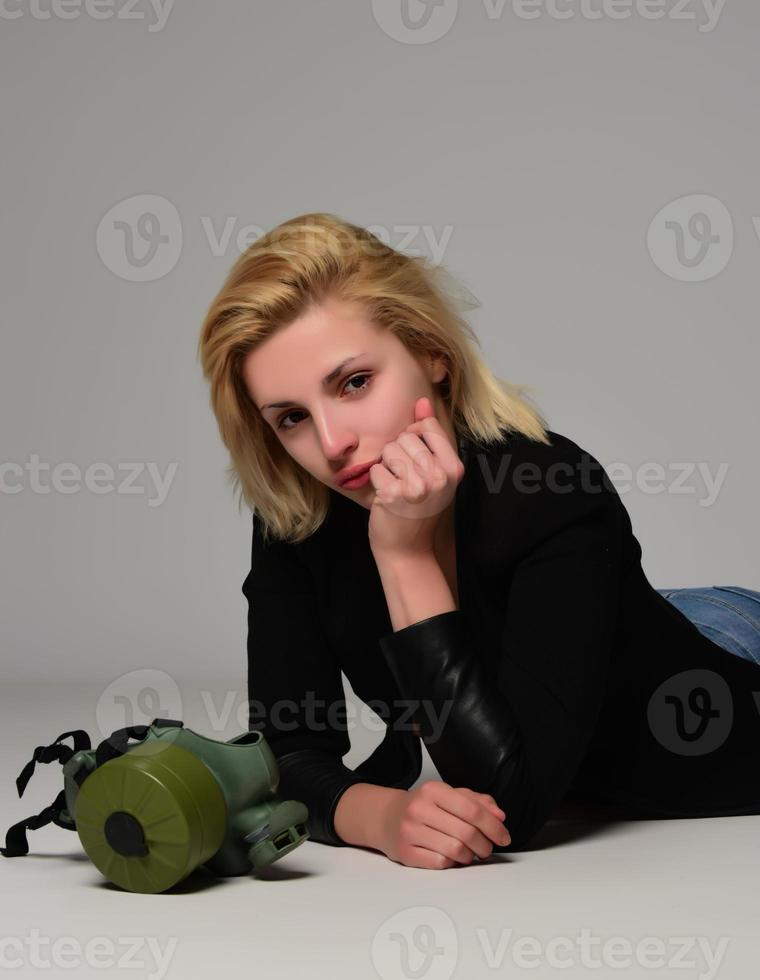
{"type": "Point", "coordinates": [291, 269]}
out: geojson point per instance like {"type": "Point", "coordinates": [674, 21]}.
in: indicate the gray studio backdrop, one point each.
{"type": "Point", "coordinates": [587, 170]}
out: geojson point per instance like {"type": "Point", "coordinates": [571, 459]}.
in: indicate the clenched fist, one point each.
{"type": "Point", "coordinates": [438, 826]}
{"type": "Point", "coordinates": [414, 484]}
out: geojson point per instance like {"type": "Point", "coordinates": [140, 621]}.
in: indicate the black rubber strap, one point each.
{"type": "Point", "coordinates": [16, 844]}
{"type": "Point", "coordinates": [52, 753]}
{"type": "Point", "coordinates": [116, 743]}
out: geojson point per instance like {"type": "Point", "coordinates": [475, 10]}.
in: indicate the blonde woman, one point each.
{"type": "Point", "coordinates": [474, 574]}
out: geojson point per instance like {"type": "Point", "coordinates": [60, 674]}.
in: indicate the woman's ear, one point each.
{"type": "Point", "coordinates": [437, 369]}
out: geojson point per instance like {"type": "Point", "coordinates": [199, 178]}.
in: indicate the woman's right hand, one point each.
{"type": "Point", "coordinates": [438, 826]}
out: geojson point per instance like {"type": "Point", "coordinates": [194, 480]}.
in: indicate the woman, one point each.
{"type": "Point", "coordinates": [479, 584]}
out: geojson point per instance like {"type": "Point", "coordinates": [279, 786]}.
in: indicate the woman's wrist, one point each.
{"type": "Point", "coordinates": [415, 587]}
{"type": "Point", "coordinates": [360, 817]}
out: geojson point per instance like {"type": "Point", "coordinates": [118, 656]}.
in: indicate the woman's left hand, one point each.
{"type": "Point", "coordinates": [414, 485]}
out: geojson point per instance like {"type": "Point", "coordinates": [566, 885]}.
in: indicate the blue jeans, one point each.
{"type": "Point", "coordinates": [729, 615]}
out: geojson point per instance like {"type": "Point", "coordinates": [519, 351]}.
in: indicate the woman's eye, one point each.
{"type": "Point", "coordinates": [355, 377]}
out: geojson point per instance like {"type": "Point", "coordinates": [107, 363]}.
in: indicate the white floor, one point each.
{"type": "Point", "coordinates": [593, 898]}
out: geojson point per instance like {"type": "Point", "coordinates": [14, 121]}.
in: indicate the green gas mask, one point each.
{"type": "Point", "coordinates": [150, 813]}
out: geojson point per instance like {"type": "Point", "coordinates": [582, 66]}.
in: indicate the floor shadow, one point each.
{"type": "Point", "coordinates": [201, 880]}
{"type": "Point", "coordinates": [42, 855]}
{"type": "Point", "coordinates": [572, 822]}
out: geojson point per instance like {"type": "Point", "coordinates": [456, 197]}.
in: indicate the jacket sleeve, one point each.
{"type": "Point", "coordinates": [519, 730]}
{"type": "Point", "coordinates": [295, 690]}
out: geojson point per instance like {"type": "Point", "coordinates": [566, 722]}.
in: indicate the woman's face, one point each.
{"type": "Point", "coordinates": [349, 419]}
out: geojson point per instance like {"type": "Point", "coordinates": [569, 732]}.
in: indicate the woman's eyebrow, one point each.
{"type": "Point", "coordinates": [328, 378]}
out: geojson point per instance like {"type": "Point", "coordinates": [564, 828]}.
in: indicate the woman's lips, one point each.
{"type": "Point", "coordinates": [367, 467]}
{"type": "Point", "coordinates": [357, 482]}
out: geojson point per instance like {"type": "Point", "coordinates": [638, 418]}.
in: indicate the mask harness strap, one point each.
{"type": "Point", "coordinates": [116, 743]}
{"type": "Point", "coordinates": [15, 840]}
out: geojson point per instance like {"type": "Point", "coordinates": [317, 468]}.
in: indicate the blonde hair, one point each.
{"type": "Point", "coordinates": [294, 267]}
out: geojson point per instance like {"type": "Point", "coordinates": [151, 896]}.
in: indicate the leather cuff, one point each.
{"type": "Point", "coordinates": [319, 781]}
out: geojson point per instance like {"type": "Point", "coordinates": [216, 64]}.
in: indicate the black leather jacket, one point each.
{"type": "Point", "coordinates": [555, 677]}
